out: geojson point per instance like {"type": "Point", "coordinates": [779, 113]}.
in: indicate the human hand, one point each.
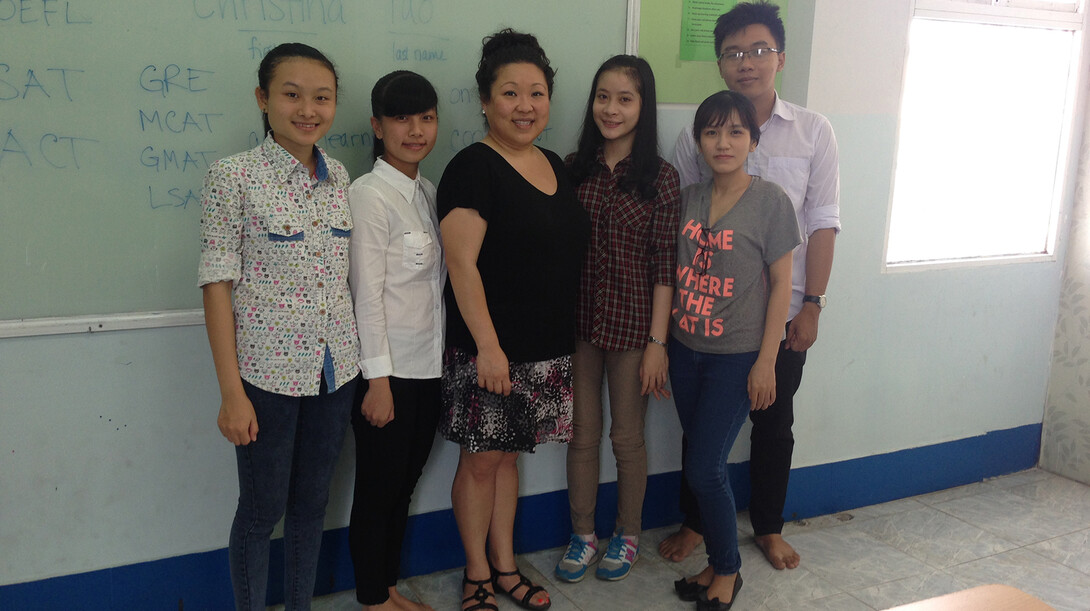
{"type": "Point", "coordinates": [803, 328]}
{"type": "Point", "coordinates": [654, 370]}
{"type": "Point", "coordinates": [378, 403]}
{"type": "Point", "coordinates": [237, 419]}
{"type": "Point", "coordinates": [493, 370]}
{"type": "Point", "coordinates": [762, 385]}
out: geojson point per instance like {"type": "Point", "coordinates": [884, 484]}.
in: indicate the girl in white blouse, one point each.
{"type": "Point", "coordinates": [397, 276]}
{"type": "Point", "coordinates": [274, 271]}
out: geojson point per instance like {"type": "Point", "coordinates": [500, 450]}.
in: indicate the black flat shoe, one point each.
{"type": "Point", "coordinates": [703, 604]}
{"type": "Point", "coordinates": [689, 591]}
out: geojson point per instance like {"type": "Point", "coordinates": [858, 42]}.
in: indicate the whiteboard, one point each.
{"type": "Point", "coordinates": [110, 113]}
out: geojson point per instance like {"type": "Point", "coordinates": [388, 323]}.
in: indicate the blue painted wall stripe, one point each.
{"type": "Point", "coordinates": [201, 581]}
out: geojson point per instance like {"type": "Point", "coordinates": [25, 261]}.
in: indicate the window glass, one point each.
{"type": "Point", "coordinates": [981, 141]}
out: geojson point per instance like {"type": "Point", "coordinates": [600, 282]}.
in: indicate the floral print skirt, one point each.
{"type": "Point", "coordinates": [538, 410]}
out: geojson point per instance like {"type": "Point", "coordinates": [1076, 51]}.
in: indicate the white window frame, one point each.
{"type": "Point", "coordinates": [1070, 16]}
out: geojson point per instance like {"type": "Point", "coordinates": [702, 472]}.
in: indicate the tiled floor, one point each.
{"type": "Point", "coordinates": [1030, 530]}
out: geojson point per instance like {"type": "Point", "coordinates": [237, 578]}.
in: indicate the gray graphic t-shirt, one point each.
{"type": "Point", "coordinates": [721, 291]}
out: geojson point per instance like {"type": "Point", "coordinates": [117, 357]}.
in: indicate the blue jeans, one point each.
{"type": "Point", "coordinates": [772, 444]}
{"type": "Point", "coordinates": [712, 403]}
{"type": "Point", "coordinates": [289, 468]}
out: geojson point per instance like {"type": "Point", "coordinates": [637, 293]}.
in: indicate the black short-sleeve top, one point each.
{"type": "Point", "coordinates": [531, 256]}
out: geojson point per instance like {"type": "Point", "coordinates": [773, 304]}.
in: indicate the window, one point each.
{"type": "Point", "coordinates": [982, 148]}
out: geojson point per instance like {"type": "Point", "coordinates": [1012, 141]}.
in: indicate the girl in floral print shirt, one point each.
{"type": "Point", "coordinates": [274, 271]}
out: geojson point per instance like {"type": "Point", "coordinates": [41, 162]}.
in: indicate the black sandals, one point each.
{"type": "Point", "coordinates": [526, 601]}
{"type": "Point", "coordinates": [481, 594]}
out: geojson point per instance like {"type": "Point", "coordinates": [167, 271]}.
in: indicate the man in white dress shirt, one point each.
{"type": "Point", "coordinates": [797, 151]}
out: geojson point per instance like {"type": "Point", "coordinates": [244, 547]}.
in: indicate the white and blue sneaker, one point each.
{"type": "Point", "coordinates": [577, 558]}
{"type": "Point", "coordinates": [621, 554]}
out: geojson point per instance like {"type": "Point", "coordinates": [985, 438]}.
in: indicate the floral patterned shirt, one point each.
{"type": "Point", "coordinates": [280, 235]}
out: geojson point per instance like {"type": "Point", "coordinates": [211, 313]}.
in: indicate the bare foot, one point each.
{"type": "Point", "coordinates": [405, 604]}
{"type": "Point", "coordinates": [679, 545]}
{"type": "Point", "coordinates": [779, 553]}
{"type": "Point", "coordinates": [389, 605]}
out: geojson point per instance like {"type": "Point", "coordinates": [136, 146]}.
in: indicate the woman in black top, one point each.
{"type": "Point", "coordinates": [514, 235]}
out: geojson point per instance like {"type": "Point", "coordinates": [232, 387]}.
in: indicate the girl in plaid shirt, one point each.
{"type": "Point", "coordinates": [632, 197]}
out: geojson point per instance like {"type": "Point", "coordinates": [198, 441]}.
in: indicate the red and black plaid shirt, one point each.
{"type": "Point", "coordinates": [633, 247]}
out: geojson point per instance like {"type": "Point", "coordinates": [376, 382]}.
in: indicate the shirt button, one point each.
{"type": "Point", "coordinates": [322, 312]}
{"type": "Point", "coordinates": [321, 284]}
{"type": "Point", "coordinates": [318, 254]}
{"type": "Point", "coordinates": [321, 340]}
{"type": "Point", "coordinates": [315, 223]}
{"type": "Point", "coordinates": [309, 196]}
{"type": "Point", "coordinates": [287, 228]}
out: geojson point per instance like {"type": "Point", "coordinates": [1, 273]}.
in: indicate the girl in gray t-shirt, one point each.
{"type": "Point", "coordinates": [733, 288]}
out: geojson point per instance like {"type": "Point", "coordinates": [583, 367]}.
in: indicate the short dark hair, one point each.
{"type": "Point", "coordinates": [400, 92]}
{"type": "Point", "coordinates": [642, 172]}
{"type": "Point", "coordinates": [717, 109]}
{"type": "Point", "coordinates": [282, 53]}
{"type": "Point", "coordinates": [746, 14]}
{"type": "Point", "coordinates": [510, 47]}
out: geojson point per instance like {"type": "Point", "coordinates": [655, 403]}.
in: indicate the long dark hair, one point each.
{"type": "Point", "coordinates": [281, 53]}
{"type": "Point", "coordinates": [400, 92]}
{"type": "Point", "coordinates": [644, 165]}
{"type": "Point", "coordinates": [510, 47]}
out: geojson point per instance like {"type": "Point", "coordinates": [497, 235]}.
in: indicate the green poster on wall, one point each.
{"type": "Point", "coordinates": [697, 26]}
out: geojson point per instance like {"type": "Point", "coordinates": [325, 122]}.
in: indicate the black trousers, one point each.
{"type": "Point", "coordinates": [772, 444]}
{"type": "Point", "coordinates": [389, 461]}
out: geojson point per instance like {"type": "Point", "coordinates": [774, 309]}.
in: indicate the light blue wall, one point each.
{"type": "Point", "coordinates": [912, 358]}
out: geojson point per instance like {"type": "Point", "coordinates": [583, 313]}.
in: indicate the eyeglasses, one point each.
{"type": "Point", "coordinates": [735, 57]}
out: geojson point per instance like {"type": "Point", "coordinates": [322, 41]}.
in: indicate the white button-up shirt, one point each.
{"type": "Point", "coordinates": [798, 152]}
{"type": "Point", "coordinates": [281, 236]}
{"type": "Point", "coordinates": [397, 274]}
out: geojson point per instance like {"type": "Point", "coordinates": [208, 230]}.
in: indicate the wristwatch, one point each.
{"type": "Point", "coordinates": [818, 299]}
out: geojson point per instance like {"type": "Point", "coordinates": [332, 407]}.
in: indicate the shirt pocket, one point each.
{"type": "Point", "coordinates": [418, 250]}
{"type": "Point", "coordinates": [340, 223]}
{"type": "Point", "coordinates": [285, 227]}
{"type": "Point", "coordinates": [340, 229]}
{"type": "Point", "coordinates": [792, 174]}
{"type": "Point", "coordinates": [631, 219]}
{"type": "Point", "coordinates": [340, 233]}
{"type": "Point", "coordinates": [635, 214]}
{"type": "Point", "coordinates": [276, 262]}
